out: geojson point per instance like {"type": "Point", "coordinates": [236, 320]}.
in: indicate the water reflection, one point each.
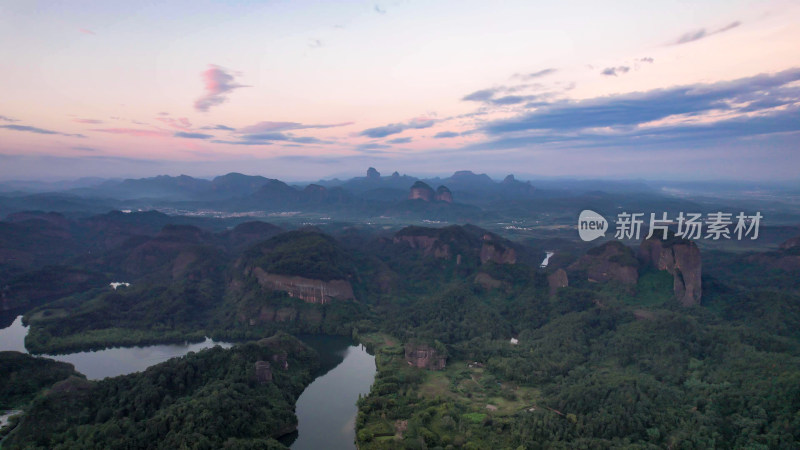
{"type": "Point", "coordinates": [109, 362]}
{"type": "Point", "coordinates": [326, 410]}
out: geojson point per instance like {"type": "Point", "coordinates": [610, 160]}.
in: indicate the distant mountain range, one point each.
{"type": "Point", "coordinates": [462, 197]}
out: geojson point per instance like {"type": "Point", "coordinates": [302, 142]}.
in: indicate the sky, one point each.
{"type": "Point", "coordinates": [299, 90]}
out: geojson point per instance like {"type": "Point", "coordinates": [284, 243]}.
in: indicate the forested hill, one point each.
{"type": "Point", "coordinates": [235, 398]}
{"type": "Point", "coordinates": [641, 344]}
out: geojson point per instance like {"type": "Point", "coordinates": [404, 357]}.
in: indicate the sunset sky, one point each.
{"type": "Point", "coordinates": [302, 90]}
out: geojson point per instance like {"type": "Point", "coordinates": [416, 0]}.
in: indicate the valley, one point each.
{"type": "Point", "coordinates": [483, 336]}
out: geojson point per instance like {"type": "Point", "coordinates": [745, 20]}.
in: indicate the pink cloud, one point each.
{"type": "Point", "coordinates": [217, 82]}
{"type": "Point", "coordinates": [85, 31]}
{"type": "Point", "coordinates": [265, 127]}
{"type": "Point", "coordinates": [93, 121]}
{"type": "Point", "coordinates": [179, 123]}
{"type": "Point", "coordinates": [133, 132]}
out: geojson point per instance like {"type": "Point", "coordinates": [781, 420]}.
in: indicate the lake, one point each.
{"type": "Point", "coordinates": [109, 362]}
{"type": "Point", "coordinates": [326, 410]}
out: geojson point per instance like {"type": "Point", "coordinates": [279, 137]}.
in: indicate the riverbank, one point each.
{"type": "Point", "coordinates": [175, 402]}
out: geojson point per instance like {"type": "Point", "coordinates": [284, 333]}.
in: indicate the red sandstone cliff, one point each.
{"type": "Point", "coordinates": [306, 289]}
{"type": "Point", "coordinates": [681, 258]}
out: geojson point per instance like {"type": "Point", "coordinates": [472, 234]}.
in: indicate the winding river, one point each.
{"type": "Point", "coordinates": [326, 410]}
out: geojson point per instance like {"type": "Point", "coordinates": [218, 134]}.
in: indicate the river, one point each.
{"type": "Point", "coordinates": [326, 410]}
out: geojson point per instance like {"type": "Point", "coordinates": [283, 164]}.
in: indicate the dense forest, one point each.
{"type": "Point", "coordinates": [600, 349]}
{"type": "Point", "coordinates": [206, 400]}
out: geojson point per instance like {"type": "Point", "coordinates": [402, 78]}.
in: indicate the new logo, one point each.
{"type": "Point", "coordinates": [591, 225]}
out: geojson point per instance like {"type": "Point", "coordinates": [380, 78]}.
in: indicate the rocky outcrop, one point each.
{"type": "Point", "coordinates": [263, 372]}
{"type": "Point", "coordinates": [430, 245]}
{"type": "Point", "coordinates": [612, 261]}
{"type": "Point", "coordinates": [373, 174]}
{"type": "Point", "coordinates": [557, 280]}
{"type": "Point", "coordinates": [494, 251]}
{"type": "Point", "coordinates": [466, 244]}
{"type": "Point", "coordinates": [424, 357]}
{"type": "Point", "coordinates": [421, 191]}
{"type": "Point", "coordinates": [791, 244]}
{"type": "Point", "coordinates": [444, 195]}
{"type": "Point", "coordinates": [787, 258]}
{"type": "Point", "coordinates": [306, 289]}
{"type": "Point", "coordinates": [280, 360]}
{"type": "Point", "coordinates": [679, 257]}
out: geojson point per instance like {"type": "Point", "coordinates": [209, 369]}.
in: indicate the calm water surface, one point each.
{"type": "Point", "coordinates": [109, 362]}
{"type": "Point", "coordinates": [326, 410]}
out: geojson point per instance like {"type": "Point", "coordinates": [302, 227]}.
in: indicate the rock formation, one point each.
{"type": "Point", "coordinates": [679, 257]}
{"type": "Point", "coordinates": [467, 244]}
{"type": "Point", "coordinates": [373, 174]}
{"type": "Point", "coordinates": [424, 357]}
{"type": "Point", "coordinates": [430, 245]}
{"type": "Point", "coordinates": [280, 360]}
{"type": "Point", "coordinates": [306, 289]}
{"type": "Point", "coordinates": [444, 195]}
{"type": "Point", "coordinates": [612, 261]}
{"type": "Point", "coordinates": [421, 191]}
{"type": "Point", "coordinates": [787, 258]}
{"type": "Point", "coordinates": [793, 243]}
{"type": "Point", "coordinates": [556, 280]}
{"type": "Point", "coordinates": [263, 372]}
{"type": "Point", "coordinates": [494, 251]}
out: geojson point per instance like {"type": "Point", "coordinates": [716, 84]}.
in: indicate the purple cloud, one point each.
{"type": "Point", "coordinates": [38, 130]}
{"type": "Point", "coordinates": [217, 83]}
{"type": "Point", "coordinates": [480, 96]}
{"type": "Point", "coordinates": [538, 74]}
{"type": "Point", "coordinates": [394, 128]}
{"type": "Point", "coordinates": [445, 134]}
{"type": "Point", "coordinates": [696, 35]}
{"type": "Point", "coordinates": [266, 127]}
{"type": "Point", "coordinates": [183, 134]}
{"type": "Point", "coordinates": [614, 71]}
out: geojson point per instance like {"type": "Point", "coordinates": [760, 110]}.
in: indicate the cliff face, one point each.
{"type": "Point", "coordinates": [444, 195]}
{"type": "Point", "coordinates": [492, 250]}
{"type": "Point", "coordinates": [464, 243]}
{"type": "Point", "coordinates": [424, 357]}
{"type": "Point", "coordinates": [421, 191]}
{"type": "Point", "coordinates": [793, 243]}
{"type": "Point", "coordinates": [787, 258]}
{"type": "Point", "coordinates": [430, 245]}
{"type": "Point", "coordinates": [611, 261]}
{"type": "Point", "coordinates": [306, 289]}
{"type": "Point", "coordinates": [263, 372]}
{"type": "Point", "coordinates": [556, 280]}
{"type": "Point", "coordinates": [681, 258]}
